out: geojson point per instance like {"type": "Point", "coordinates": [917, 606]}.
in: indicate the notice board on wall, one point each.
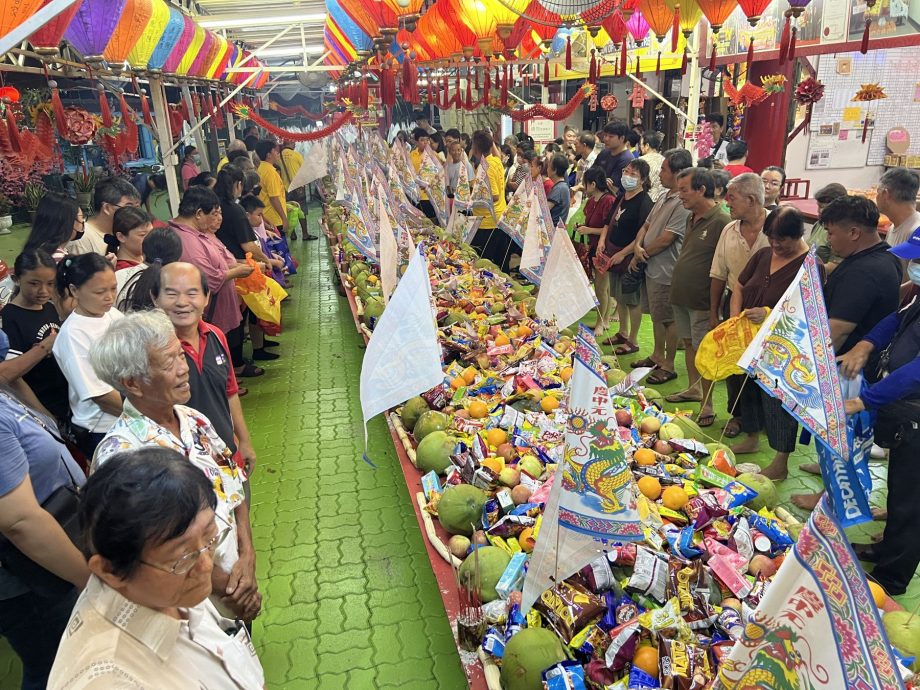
{"type": "Point", "coordinates": [897, 71]}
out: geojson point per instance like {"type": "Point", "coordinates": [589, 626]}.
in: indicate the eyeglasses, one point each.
{"type": "Point", "coordinates": [771, 183]}
{"type": "Point", "coordinates": [81, 222]}
{"type": "Point", "coordinates": [188, 561]}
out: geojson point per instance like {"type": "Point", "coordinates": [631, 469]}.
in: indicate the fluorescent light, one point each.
{"type": "Point", "coordinates": [290, 51]}
{"type": "Point", "coordinates": [236, 21]}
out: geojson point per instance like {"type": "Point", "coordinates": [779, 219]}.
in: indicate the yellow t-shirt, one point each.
{"type": "Point", "coordinates": [291, 161]}
{"type": "Point", "coordinates": [416, 158]}
{"type": "Point", "coordinates": [271, 186]}
{"type": "Point", "coordinates": [497, 183]}
{"type": "Point", "coordinates": [223, 161]}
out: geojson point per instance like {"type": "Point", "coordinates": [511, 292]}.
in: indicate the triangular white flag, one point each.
{"type": "Point", "coordinates": [312, 169]}
{"type": "Point", "coordinates": [532, 252]}
{"type": "Point", "coordinates": [565, 292]}
{"type": "Point", "coordinates": [403, 356]}
{"type": "Point", "coordinates": [340, 184]}
{"type": "Point", "coordinates": [389, 251]}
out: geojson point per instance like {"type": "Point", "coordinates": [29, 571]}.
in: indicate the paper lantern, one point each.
{"type": "Point", "coordinates": [628, 7]}
{"type": "Point", "coordinates": [638, 27]}
{"type": "Point", "coordinates": [360, 16]}
{"type": "Point", "coordinates": [480, 20]}
{"type": "Point", "coordinates": [221, 56]}
{"type": "Point", "coordinates": [689, 14]}
{"type": "Point", "coordinates": [545, 23]}
{"type": "Point", "coordinates": [139, 56]}
{"type": "Point", "coordinates": [47, 39]}
{"type": "Point", "coordinates": [179, 47]}
{"type": "Point", "coordinates": [659, 16]}
{"type": "Point", "coordinates": [753, 9]}
{"type": "Point", "coordinates": [456, 23]}
{"type": "Point", "coordinates": [15, 12]}
{"type": "Point", "coordinates": [507, 13]}
{"type": "Point", "coordinates": [93, 26]}
{"type": "Point", "coordinates": [131, 27]}
{"type": "Point", "coordinates": [175, 27]}
{"type": "Point", "coordinates": [359, 40]}
{"type": "Point", "coordinates": [615, 27]}
{"type": "Point", "coordinates": [410, 41]}
{"type": "Point", "coordinates": [382, 15]}
{"type": "Point", "coordinates": [440, 40]}
{"type": "Point", "coordinates": [407, 12]}
{"type": "Point", "coordinates": [191, 53]}
{"type": "Point", "coordinates": [332, 42]}
{"type": "Point", "coordinates": [717, 12]}
{"type": "Point", "coordinates": [204, 56]}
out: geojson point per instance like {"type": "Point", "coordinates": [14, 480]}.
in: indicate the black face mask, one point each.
{"type": "Point", "coordinates": [255, 191]}
{"type": "Point", "coordinates": [78, 236]}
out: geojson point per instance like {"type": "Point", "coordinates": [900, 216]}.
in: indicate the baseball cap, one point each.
{"type": "Point", "coordinates": [909, 249]}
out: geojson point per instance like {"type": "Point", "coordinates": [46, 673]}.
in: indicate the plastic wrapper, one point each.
{"type": "Point", "coordinates": [666, 621]}
{"type": "Point", "coordinates": [650, 574]}
{"type": "Point", "coordinates": [567, 675]}
{"type": "Point", "coordinates": [740, 494]}
{"type": "Point", "coordinates": [569, 608]}
{"type": "Point", "coordinates": [689, 584]}
{"type": "Point", "coordinates": [621, 648]}
{"type": "Point", "coordinates": [683, 665]}
{"type": "Point", "coordinates": [639, 679]}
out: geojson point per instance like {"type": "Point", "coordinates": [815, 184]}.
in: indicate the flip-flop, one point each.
{"type": "Point", "coordinates": [647, 362]}
{"type": "Point", "coordinates": [626, 349]}
{"type": "Point", "coordinates": [683, 398]}
{"type": "Point", "coordinates": [660, 376]}
{"type": "Point", "coordinates": [733, 428]}
{"type": "Point", "coordinates": [705, 420]}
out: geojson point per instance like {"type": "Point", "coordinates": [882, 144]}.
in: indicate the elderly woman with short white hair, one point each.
{"type": "Point", "coordinates": [153, 529]}
{"type": "Point", "coordinates": [143, 359]}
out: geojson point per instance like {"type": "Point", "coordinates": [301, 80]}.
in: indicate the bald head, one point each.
{"type": "Point", "coordinates": [236, 145]}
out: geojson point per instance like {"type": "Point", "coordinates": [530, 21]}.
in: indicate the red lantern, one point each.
{"type": "Point", "coordinates": [46, 40]}
{"type": "Point", "coordinates": [753, 9]}
{"type": "Point", "coordinates": [450, 12]}
{"type": "Point", "coordinates": [545, 23]}
{"type": "Point", "coordinates": [436, 36]}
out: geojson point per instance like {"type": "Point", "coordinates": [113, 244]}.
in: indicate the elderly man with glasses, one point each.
{"type": "Point", "coordinates": [143, 359]}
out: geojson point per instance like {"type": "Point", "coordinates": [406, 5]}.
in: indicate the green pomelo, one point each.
{"type": "Point", "coordinates": [412, 410]}
{"type": "Point", "coordinates": [373, 309]}
{"type": "Point", "coordinates": [527, 655]}
{"type": "Point", "coordinates": [433, 453]}
{"type": "Point", "coordinates": [903, 630]}
{"type": "Point", "coordinates": [653, 396]}
{"type": "Point", "coordinates": [690, 428]}
{"type": "Point", "coordinates": [766, 490]}
{"type": "Point", "coordinates": [429, 421]}
{"type": "Point", "coordinates": [492, 563]}
{"type": "Point", "coordinates": [615, 376]}
{"type": "Point", "coordinates": [357, 267]}
{"type": "Point", "coordinates": [460, 508]}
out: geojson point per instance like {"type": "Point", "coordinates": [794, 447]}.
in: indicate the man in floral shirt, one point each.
{"type": "Point", "coordinates": [143, 359]}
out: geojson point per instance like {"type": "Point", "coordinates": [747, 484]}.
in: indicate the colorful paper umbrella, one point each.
{"type": "Point", "coordinates": [46, 40]}
{"type": "Point", "coordinates": [140, 54]}
{"type": "Point", "coordinates": [220, 62]}
{"type": "Point", "coordinates": [175, 27]}
{"type": "Point", "coordinates": [131, 27]}
{"type": "Point", "coordinates": [93, 26]}
{"type": "Point", "coordinates": [353, 34]}
{"type": "Point", "coordinates": [205, 55]}
{"type": "Point", "coordinates": [185, 64]}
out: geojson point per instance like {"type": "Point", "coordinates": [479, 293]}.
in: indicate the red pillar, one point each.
{"type": "Point", "coordinates": [765, 125]}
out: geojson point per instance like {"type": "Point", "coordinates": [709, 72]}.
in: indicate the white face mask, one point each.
{"type": "Point", "coordinates": [913, 272]}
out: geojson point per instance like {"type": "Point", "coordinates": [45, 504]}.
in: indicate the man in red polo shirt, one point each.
{"type": "Point", "coordinates": [183, 295]}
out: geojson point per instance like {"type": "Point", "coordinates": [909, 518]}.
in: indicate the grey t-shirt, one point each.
{"type": "Point", "coordinates": [559, 196]}
{"type": "Point", "coordinates": [29, 449]}
{"type": "Point", "coordinates": [668, 215]}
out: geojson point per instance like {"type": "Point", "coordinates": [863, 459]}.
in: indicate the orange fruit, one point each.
{"type": "Point", "coordinates": [469, 375]}
{"type": "Point", "coordinates": [549, 403]}
{"type": "Point", "coordinates": [674, 497]}
{"type": "Point", "coordinates": [496, 464]}
{"type": "Point", "coordinates": [457, 383]}
{"type": "Point", "coordinates": [478, 409]}
{"type": "Point", "coordinates": [650, 487]}
{"type": "Point", "coordinates": [501, 339]}
{"type": "Point", "coordinates": [878, 594]}
{"type": "Point", "coordinates": [645, 457]}
{"type": "Point", "coordinates": [496, 437]}
{"type": "Point", "coordinates": [523, 331]}
{"type": "Point", "coordinates": [565, 374]}
{"type": "Point", "coordinates": [646, 658]}
{"type": "Point", "coordinates": [526, 540]}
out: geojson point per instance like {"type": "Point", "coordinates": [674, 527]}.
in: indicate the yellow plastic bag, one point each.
{"type": "Point", "coordinates": [261, 294]}
{"type": "Point", "coordinates": [723, 346]}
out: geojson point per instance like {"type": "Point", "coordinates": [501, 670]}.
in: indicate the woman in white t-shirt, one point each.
{"type": "Point", "coordinates": [89, 280]}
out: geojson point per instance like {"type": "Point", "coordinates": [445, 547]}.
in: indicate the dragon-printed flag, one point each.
{"type": "Point", "coordinates": [593, 498]}
{"type": "Point", "coordinates": [792, 358]}
{"type": "Point", "coordinates": [481, 190]}
{"type": "Point", "coordinates": [817, 626]}
{"type": "Point", "coordinates": [463, 192]}
{"type": "Point", "coordinates": [431, 173]}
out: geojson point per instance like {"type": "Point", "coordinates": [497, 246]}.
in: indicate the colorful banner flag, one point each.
{"type": "Point", "coordinates": [463, 193]}
{"type": "Point", "coordinates": [514, 218]}
{"type": "Point", "coordinates": [817, 626]}
{"type": "Point", "coordinates": [403, 356]}
{"type": "Point", "coordinates": [389, 250]}
{"type": "Point", "coordinates": [593, 497]}
{"type": "Point", "coordinates": [434, 180]}
{"type": "Point", "coordinates": [404, 173]}
{"type": "Point", "coordinates": [566, 294]}
{"type": "Point", "coordinates": [481, 192]}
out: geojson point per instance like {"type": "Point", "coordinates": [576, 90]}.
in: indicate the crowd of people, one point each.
{"type": "Point", "coordinates": [693, 245]}
{"type": "Point", "coordinates": [121, 352]}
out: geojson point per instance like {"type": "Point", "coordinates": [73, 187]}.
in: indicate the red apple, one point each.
{"type": "Point", "coordinates": [662, 447]}
{"type": "Point", "coordinates": [624, 418]}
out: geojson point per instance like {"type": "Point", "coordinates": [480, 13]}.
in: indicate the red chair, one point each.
{"type": "Point", "coordinates": [792, 189]}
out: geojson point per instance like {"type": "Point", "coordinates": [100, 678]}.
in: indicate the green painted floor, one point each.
{"type": "Point", "coordinates": [350, 600]}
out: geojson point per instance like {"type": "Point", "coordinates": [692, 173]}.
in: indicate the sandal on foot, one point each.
{"type": "Point", "coordinates": [250, 371]}
{"type": "Point", "coordinates": [617, 339]}
{"type": "Point", "coordinates": [626, 348]}
{"type": "Point", "coordinates": [660, 376]}
{"type": "Point", "coordinates": [733, 428]}
{"type": "Point", "coordinates": [683, 397]}
{"type": "Point", "coordinates": [647, 362]}
{"type": "Point", "coordinates": [705, 420]}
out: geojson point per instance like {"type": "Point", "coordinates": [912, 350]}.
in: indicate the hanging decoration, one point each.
{"type": "Point", "coordinates": [787, 39]}
{"type": "Point", "coordinates": [609, 102]}
{"type": "Point", "coordinates": [864, 44]}
{"type": "Point", "coordinates": [555, 114]}
{"type": "Point", "coordinates": [172, 33]}
{"type": "Point", "coordinates": [773, 83]}
{"type": "Point", "coordinates": [338, 120]}
{"type": "Point", "coordinates": [93, 26]}
{"type": "Point", "coordinates": [747, 96]}
{"type": "Point", "coordinates": [47, 40]}
{"type": "Point", "coordinates": [717, 13]}
{"type": "Point", "coordinates": [866, 94]}
{"type": "Point", "coordinates": [80, 126]}
{"type": "Point", "coordinates": [142, 49]}
{"type": "Point", "coordinates": [753, 9]}
{"type": "Point", "coordinates": [132, 25]}
{"type": "Point", "coordinates": [808, 92]}
{"type": "Point", "coordinates": [171, 62]}
{"type": "Point", "coordinates": [296, 110]}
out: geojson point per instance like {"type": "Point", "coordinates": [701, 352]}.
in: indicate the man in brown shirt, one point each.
{"type": "Point", "coordinates": [690, 280]}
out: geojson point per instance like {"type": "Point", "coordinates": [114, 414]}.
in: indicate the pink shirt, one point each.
{"type": "Point", "coordinates": [189, 172]}
{"type": "Point", "coordinates": [207, 252]}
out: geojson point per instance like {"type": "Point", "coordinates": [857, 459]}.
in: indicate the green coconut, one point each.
{"type": "Point", "coordinates": [653, 396]}
{"type": "Point", "coordinates": [357, 267]}
{"type": "Point", "coordinates": [527, 655]}
{"type": "Point", "coordinates": [412, 410]}
{"type": "Point", "coordinates": [492, 563]}
{"type": "Point", "coordinates": [373, 309]}
{"type": "Point", "coordinates": [903, 629]}
{"type": "Point", "coordinates": [615, 377]}
{"type": "Point", "coordinates": [429, 421]}
{"type": "Point", "coordinates": [433, 453]}
{"type": "Point", "coordinates": [766, 490]}
{"type": "Point", "coordinates": [460, 508]}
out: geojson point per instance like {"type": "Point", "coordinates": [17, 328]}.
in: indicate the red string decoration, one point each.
{"type": "Point", "coordinates": [784, 38]}
{"type": "Point", "coordinates": [555, 114]}
{"type": "Point", "coordinates": [338, 120]}
{"type": "Point", "coordinates": [129, 134]}
{"type": "Point", "coordinates": [568, 52]}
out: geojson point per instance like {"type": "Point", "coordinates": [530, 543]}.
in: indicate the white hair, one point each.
{"type": "Point", "coordinates": [750, 184]}
{"type": "Point", "coordinates": [123, 351]}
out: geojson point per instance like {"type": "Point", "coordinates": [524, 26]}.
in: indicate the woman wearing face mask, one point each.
{"type": "Point", "coordinates": [90, 280]}
{"type": "Point", "coordinates": [189, 169]}
{"type": "Point", "coordinates": [598, 210]}
{"type": "Point", "coordinates": [618, 239]}
{"type": "Point", "coordinates": [889, 358]}
{"type": "Point", "coordinates": [58, 221]}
